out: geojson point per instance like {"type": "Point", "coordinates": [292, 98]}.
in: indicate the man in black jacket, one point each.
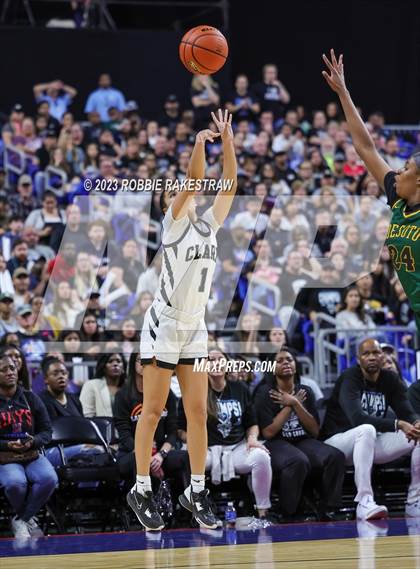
{"type": "Point", "coordinates": [28, 479]}
{"type": "Point", "coordinates": [356, 423]}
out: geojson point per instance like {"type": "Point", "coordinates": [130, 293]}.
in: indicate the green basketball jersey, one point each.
{"type": "Point", "coordinates": [403, 240]}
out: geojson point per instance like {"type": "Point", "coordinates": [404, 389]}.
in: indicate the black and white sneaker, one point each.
{"type": "Point", "coordinates": [145, 509]}
{"type": "Point", "coordinates": [199, 506]}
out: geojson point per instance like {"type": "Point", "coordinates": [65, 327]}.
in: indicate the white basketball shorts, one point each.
{"type": "Point", "coordinates": [172, 336]}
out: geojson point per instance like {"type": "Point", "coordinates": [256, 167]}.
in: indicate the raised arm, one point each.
{"type": "Point", "coordinates": [195, 171]}
{"type": "Point", "coordinates": [224, 198]}
{"type": "Point", "coordinates": [362, 140]}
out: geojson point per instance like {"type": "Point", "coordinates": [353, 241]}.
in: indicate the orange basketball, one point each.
{"type": "Point", "coordinates": [203, 50]}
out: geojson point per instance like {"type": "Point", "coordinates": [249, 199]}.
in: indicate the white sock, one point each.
{"type": "Point", "coordinates": [143, 484]}
{"type": "Point", "coordinates": [197, 482]}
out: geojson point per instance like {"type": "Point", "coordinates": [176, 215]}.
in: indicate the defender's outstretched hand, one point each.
{"type": "Point", "coordinates": [335, 77]}
{"type": "Point", "coordinates": [223, 123]}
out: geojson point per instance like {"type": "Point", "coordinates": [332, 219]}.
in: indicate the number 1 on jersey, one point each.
{"type": "Point", "coordinates": [203, 280]}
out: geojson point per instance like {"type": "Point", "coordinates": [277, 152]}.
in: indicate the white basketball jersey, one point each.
{"type": "Point", "coordinates": [188, 261]}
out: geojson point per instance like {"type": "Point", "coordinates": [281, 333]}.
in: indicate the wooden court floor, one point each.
{"type": "Point", "coordinates": [396, 552]}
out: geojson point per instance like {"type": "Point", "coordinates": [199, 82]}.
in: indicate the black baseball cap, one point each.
{"type": "Point", "coordinates": [17, 108]}
{"type": "Point", "coordinates": [172, 98]}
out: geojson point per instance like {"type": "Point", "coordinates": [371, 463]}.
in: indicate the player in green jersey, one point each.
{"type": "Point", "coordinates": [402, 189]}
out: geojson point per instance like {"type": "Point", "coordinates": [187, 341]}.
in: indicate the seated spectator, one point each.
{"type": "Point", "coordinates": [15, 353]}
{"type": "Point", "coordinates": [288, 419]}
{"type": "Point", "coordinates": [30, 339]}
{"type": "Point", "coordinates": [49, 221]}
{"type": "Point", "coordinates": [391, 154]}
{"type": "Point", "coordinates": [232, 430]}
{"type": "Point", "coordinates": [36, 251]}
{"type": "Point", "coordinates": [98, 395]}
{"type": "Point", "coordinates": [165, 460]}
{"type": "Point", "coordinates": [355, 423]}
{"type": "Point", "coordinates": [64, 306]}
{"type": "Point", "coordinates": [323, 296]}
{"type": "Point", "coordinates": [8, 322]}
{"type": "Point", "coordinates": [6, 283]}
{"type": "Point", "coordinates": [252, 219]}
{"type": "Point", "coordinates": [21, 283]}
{"type": "Point", "coordinates": [144, 300]}
{"type": "Point", "coordinates": [21, 465]}
{"type": "Point", "coordinates": [73, 357]}
{"type": "Point", "coordinates": [23, 202]}
{"type": "Point", "coordinates": [352, 316]}
{"type": "Point", "coordinates": [84, 278]}
{"type": "Point", "coordinates": [414, 396]}
{"type": "Point", "coordinates": [58, 401]}
{"type": "Point", "coordinates": [19, 258]}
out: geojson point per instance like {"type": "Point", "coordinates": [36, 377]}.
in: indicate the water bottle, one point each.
{"type": "Point", "coordinates": [230, 516]}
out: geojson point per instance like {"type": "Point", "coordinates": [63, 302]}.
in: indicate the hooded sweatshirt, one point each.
{"type": "Point", "coordinates": [23, 413]}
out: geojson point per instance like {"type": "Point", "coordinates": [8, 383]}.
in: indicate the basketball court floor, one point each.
{"type": "Point", "coordinates": [363, 545]}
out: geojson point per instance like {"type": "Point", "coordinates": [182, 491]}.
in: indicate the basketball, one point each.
{"type": "Point", "coordinates": [203, 50]}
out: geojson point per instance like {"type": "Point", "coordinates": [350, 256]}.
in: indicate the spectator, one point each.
{"type": "Point", "coordinates": [47, 326]}
{"type": "Point", "coordinates": [49, 221]}
{"type": "Point", "coordinates": [356, 424]}
{"type": "Point", "coordinates": [21, 465]}
{"type": "Point", "coordinates": [8, 323]}
{"type": "Point", "coordinates": [391, 154]}
{"type": "Point", "coordinates": [324, 297]}
{"type": "Point", "coordinates": [36, 251]}
{"type": "Point", "coordinates": [288, 419]}
{"type": "Point", "coordinates": [271, 93]}
{"type": "Point", "coordinates": [171, 115]}
{"type": "Point", "coordinates": [98, 395]}
{"type": "Point", "coordinates": [19, 258]}
{"type": "Point", "coordinates": [104, 98]}
{"type": "Point", "coordinates": [18, 357]}
{"type": "Point", "coordinates": [144, 300]}
{"type": "Point", "coordinates": [23, 203]}
{"type": "Point", "coordinates": [205, 98]}
{"type": "Point", "coordinates": [21, 283]}
{"type": "Point", "coordinates": [128, 404]}
{"type": "Point", "coordinates": [352, 315]}
{"type": "Point", "coordinates": [252, 219]}
{"type": "Point", "coordinates": [233, 445]}
{"type": "Point", "coordinates": [58, 96]}
{"type": "Point", "coordinates": [30, 339]}
{"type": "Point", "coordinates": [6, 283]}
{"type": "Point", "coordinates": [241, 102]}
{"type": "Point", "coordinates": [64, 306]}
{"type": "Point", "coordinates": [84, 279]}
{"type": "Point", "coordinates": [58, 401]}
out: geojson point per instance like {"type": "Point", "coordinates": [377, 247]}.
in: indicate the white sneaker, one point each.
{"type": "Point", "coordinates": [20, 529]}
{"type": "Point", "coordinates": [34, 528]}
{"type": "Point", "coordinates": [413, 510]}
{"type": "Point", "coordinates": [368, 509]}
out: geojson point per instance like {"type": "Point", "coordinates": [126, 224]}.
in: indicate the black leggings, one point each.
{"type": "Point", "coordinates": [293, 462]}
{"type": "Point", "coordinates": [176, 465]}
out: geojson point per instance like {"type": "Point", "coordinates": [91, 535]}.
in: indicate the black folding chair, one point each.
{"type": "Point", "coordinates": [101, 472]}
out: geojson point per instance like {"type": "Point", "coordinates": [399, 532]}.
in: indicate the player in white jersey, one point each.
{"type": "Point", "coordinates": [174, 333]}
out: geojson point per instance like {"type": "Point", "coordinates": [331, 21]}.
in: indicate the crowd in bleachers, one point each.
{"type": "Point", "coordinates": [79, 269]}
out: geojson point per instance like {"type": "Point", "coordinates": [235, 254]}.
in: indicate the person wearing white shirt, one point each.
{"type": "Point", "coordinates": [353, 317]}
{"type": "Point", "coordinates": [98, 395]}
{"type": "Point", "coordinates": [252, 219]}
